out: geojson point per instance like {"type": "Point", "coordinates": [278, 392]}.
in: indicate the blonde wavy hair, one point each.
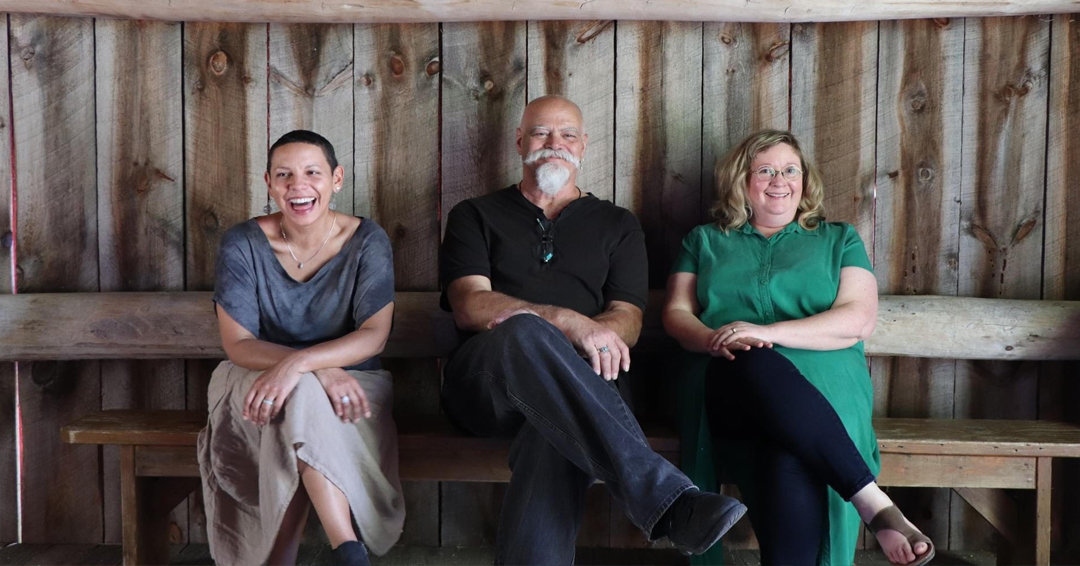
{"type": "Point", "coordinates": [732, 210]}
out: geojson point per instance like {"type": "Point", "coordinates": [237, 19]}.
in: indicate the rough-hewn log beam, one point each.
{"type": "Point", "coordinates": [385, 11]}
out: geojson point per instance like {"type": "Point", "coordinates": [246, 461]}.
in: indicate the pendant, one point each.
{"type": "Point", "coordinates": [300, 266]}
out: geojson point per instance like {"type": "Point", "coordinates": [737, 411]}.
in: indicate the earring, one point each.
{"type": "Point", "coordinates": [267, 209]}
{"type": "Point", "coordinates": [333, 205]}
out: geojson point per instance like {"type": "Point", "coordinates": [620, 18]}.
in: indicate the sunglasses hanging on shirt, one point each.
{"type": "Point", "coordinates": [546, 250]}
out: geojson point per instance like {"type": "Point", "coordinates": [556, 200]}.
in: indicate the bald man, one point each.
{"type": "Point", "coordinates": [550, 283]}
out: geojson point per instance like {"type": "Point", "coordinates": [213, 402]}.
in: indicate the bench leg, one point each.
{"type": "Point", "coordinates": [1042, 511]}
{"type": "Point", "coordinates": [144, 507]}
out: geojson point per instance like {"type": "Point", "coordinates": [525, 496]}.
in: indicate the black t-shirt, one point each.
{"type": "Point", "coordinates": [597, 251]}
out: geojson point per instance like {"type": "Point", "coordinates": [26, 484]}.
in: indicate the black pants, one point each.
{"type": "Point", "coordinates": [800, 446]}
{"type": "Point", "coordinates": [524, 379]}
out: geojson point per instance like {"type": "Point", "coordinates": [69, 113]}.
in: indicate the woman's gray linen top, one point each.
{"type": "Point", "coordinates": [257, 292]}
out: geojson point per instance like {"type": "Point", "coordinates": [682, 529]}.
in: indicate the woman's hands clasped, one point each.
{"type": "Point", "coordinates": [737, 336]}
{"type": "Point", "coordinates": [272, 388]}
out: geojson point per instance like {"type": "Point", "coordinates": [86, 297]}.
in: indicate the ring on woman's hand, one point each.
{"type": "Point", "coordinates": [345, 399]}
{"type": "Point", "coordinates": [267, 401]}
{"type": "Point", "coordinates": [734, 330]}
{"type": "Point", "coordinates": [602, 349]}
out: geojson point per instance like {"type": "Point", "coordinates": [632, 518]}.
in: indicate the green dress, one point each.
{"type": "Point", "coordinates": [794, 274]}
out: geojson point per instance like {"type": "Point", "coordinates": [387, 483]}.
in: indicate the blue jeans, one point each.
{"type": "Point", "coordinates": [524, 379]}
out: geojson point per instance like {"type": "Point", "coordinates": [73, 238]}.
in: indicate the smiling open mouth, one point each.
{"type": "Point", "coordinates": [302, 204]}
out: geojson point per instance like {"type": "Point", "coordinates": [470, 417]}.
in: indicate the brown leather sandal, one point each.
{"type": "Point", "coordinates": [890, 518]}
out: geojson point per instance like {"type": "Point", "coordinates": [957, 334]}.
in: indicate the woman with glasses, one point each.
{"type": "Point", "coordinates": [772, 303]}
{"type": "Point", "coordinates": [300, 413]}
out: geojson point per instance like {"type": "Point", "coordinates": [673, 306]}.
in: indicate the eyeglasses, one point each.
{"type": "Point", "coordinates": [767, 173]}
{"type": "Point", "coordinates": [546, 250]}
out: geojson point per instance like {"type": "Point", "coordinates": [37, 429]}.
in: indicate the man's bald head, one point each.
{"type": "Point", "coordinates": [550, 103]}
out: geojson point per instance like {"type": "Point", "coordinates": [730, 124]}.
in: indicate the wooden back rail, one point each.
{"type": "Point", "coordinates": [158, 463]}
{"type": "Point", "coordinates": [71, 326]}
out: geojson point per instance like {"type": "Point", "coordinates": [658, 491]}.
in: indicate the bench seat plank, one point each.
{"type": "Point", "coordinates": [982, 437]}
{"type": "Point", "coordinates": [423, 433]}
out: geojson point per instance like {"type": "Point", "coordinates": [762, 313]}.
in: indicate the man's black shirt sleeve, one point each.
{"type": "Point", "coordinates": [464, 248]}
{"type": "Point", "coordinates": [628, 273]}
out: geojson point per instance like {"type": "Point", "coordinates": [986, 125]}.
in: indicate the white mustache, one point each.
{"type": "Point", "coordinates": [539, 154]}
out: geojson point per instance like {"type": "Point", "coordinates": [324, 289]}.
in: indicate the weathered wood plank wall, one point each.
{"type": "Point", "coordinates": [9, 495]}
{"type": "Point", "coordinates": [949, 144]}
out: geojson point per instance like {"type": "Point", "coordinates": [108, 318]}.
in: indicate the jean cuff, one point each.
{"type": "Point", "coordinates": [649, 525]}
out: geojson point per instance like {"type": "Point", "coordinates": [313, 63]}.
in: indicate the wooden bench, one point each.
{"type": "Point", "coordinates": [158, 465]}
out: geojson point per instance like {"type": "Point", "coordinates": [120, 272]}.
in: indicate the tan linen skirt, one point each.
{"type": "Point", "coordinates": [249, 473]}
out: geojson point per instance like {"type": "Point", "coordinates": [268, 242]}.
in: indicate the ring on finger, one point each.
{"type": "Point", "coordinates": [734, 330]}
{"type": "Point", "coordinates": [602, 349]}
{"type": "Point", "coordinates": [345, 400]}
{"type": "Point", "coordinates": [268, 402]}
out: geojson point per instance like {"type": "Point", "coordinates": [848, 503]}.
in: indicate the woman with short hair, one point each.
{"type": "Point", "coordinates": [300, 413]}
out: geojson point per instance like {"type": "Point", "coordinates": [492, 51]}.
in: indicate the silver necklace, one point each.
{"type": "Point", "coordinates": [300, 264]}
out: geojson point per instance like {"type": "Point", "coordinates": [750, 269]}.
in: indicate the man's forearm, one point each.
{"type": "Point", "coordinates": [625, 323]}
{"type": "Point", "coordinates": [479, 308]}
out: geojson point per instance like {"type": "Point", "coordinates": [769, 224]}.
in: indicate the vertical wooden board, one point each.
{"type": "Point", "coordinates": [225, 135]}
{"type": "Point", "coordinates": [421, 513]}
{"type": "Point", "coordinates": [658, 143]}
{"type": "Point", "coordinates": [140, 211]}
{"type": "Point", "coordinates": [396, 90]}
{"type": "Point", "coordinates": [577, 60]}
{"type": "Point", "coordinates": [483, 96]}
{"type": "Point", "coordinates": [833, 108]}
{"type": "Point", "coordinates": [53, 97]}
{"type": "Point", "coordinates": [396, 94]}
{"type": "Point", "coordinates": [9, 491]}
{"type": "Point", "coordinates": [1001, 229]}
{"type": "Point", "coordinates": [310, 81]}
{"type": "Point", "coordinates": [1061, 268]}
{"type": "Point", "coordinates": [52, 82]}
{"type": "Point", "coordinates": [920, 89]}
{"type": "Point", "coordinates": [746, 79]}
{"type": "Point", "coordinates": [225, 141]}
{"type": "Point", "coordinates": [470, 513]}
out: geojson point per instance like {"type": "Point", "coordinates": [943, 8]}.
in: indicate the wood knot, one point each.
{"type": "Point", "coordinates": [27, 54]}
{"type": "Point", "coordinates": [925, 175]}
{"type": "Point", "coordinates": [400, 230]}
{"type": "Point", "coordinates": [727, 39]}
{"type": "Point", "coordinates": [778, 51]}
{"type": "Point", "coordinates": [210, 220]}
{"type": "Point", "coordinates": [917, 98]}
{"type": "Point", "coordinates": [219, 63]}
{"type": "Point", "coordinates": [366, 80]}
{"type": "Point", "coordinates": [1008, 348]}
{"type": "Point", "coordinates": [489, 85]}
{"type": "Point", "coordinates": [397, 65]}
{"type": "Point", "coordinates": [593, 29]}
{"type": "Point", "coordinates": [942, 23]}
{"type": "Point", "coordinates": [433, 67]}
{"type": "Point", "coordinates": [199, 86]}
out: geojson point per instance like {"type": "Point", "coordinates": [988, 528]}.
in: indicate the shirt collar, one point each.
{"type": "Point", "coordinates": [794, 226]}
